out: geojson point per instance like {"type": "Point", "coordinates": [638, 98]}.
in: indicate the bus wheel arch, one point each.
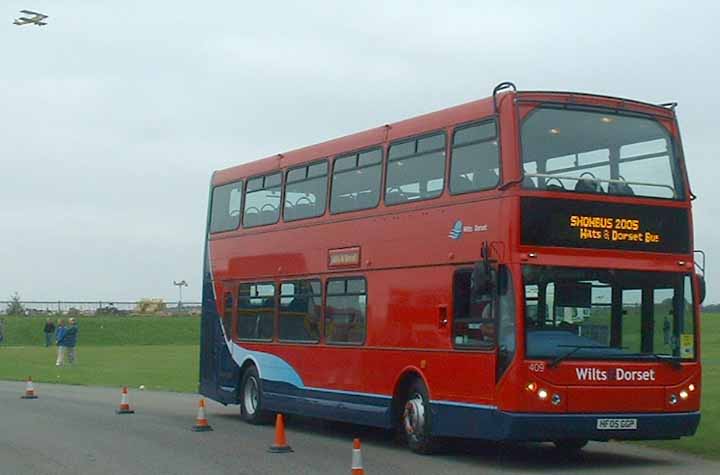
{"type": "Point", "coordinates": [411, 413]}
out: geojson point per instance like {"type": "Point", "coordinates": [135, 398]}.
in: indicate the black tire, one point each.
{"type": "Point", "coordinates": [251, 408]}
{"type": "Point", "coordinates": [570, 446]}
{"type": "Point", "coordinates": [416, 419]}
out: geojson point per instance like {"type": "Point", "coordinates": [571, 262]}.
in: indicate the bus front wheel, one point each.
{"type": "Point", "coordinates": [416, 419]}
{"type": "Point", "coordinates": [251, 398]}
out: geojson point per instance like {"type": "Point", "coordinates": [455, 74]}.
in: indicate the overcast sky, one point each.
{"type": "Point", "coordinates": [114, 115]}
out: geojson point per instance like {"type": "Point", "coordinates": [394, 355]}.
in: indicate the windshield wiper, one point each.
{"type": "Point", "coordinates": [575, 349]}
{"type": "Point", "coordinates": [673, 361]}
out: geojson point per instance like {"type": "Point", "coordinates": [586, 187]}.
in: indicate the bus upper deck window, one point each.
{"type": "Point", "coordinates": [305, 191]}
{"type": "Point", "coordinates": [262, 200]}
{"type": "Point", "coordinates": [356, 181]}
{"type": "Point", "coordinates": [475, 161]}
{"type": "Point", "coordinates": [416, 169]}
{"type": "Point", "coordinates": [225, 207]}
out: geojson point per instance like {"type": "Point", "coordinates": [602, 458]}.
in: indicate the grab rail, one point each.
{"type": "Point", "coordinates": [603, 180]}
{"type": "Point", "coordinates": [502, 86]}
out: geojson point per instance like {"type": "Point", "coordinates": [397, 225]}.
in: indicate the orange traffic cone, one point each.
{"type": "Point", "coordinates": [280, 445]}
{"type": "Point", "coordinates": [124, 404]}
{"type": "Point", "coordinates": [201, 422]}
{"type": "Point", "coordinates": [357, 468]}
{"type": "Point", "coordinates": [29, 390]}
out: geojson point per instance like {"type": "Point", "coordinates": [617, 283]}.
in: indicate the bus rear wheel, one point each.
{"type": "Point", "coordinates": [251, 398]}
{"type": "Point", "coordinates": [416, 420]}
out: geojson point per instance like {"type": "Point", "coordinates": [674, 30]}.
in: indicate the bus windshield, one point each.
{"type": "Point", "coordinates": [599, 152]}
{"type": "Point", "coordinates": [573, 313]}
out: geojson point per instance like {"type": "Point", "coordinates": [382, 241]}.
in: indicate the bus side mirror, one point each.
{"type": "Point", "coordinates": [483, 279]}
{"type": "Point", "coordinates": [702, 288]}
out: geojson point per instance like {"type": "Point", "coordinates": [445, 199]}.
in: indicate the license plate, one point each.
{"type": "Point", "coordinates": [617, 424]}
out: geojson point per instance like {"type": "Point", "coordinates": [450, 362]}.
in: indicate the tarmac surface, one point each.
{"type": "Point", "coordinates": [74, 430]}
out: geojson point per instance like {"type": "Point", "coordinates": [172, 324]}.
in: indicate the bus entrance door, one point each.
{"type": "Point", "coordinates": [228, 372]}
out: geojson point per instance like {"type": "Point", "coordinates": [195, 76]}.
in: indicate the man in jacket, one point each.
{"type": "Point", "coordinates": [49, 331]}
{"type": "Point", "coordinates": [70, 340]}
{"type": "Point", "coordinates": [59, 339]}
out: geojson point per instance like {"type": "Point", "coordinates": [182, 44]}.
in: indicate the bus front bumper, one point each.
{"type": "Point", "coordinates": [493, 424]}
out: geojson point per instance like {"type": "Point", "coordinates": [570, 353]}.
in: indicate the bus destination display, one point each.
{"type": "Point", "coordinates": [564, 223]}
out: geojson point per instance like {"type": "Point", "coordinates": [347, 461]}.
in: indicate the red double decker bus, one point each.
{"type": "Point", "coordinates": [517, 268]}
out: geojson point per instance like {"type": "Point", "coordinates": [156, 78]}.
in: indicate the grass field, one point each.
{"type": "Point", "coordinates": [158, 352]}
{"type": "Point", "coordinates": [161, 367]}
{"type": "Point", "coordinates": [162, 353]}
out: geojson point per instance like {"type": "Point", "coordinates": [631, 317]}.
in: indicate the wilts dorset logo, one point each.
{"type": "Point", "coordinates": [458, 229]}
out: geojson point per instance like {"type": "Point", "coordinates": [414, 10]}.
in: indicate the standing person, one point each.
{"type": "Point", "coordinates": [666, 330]}
{"type": "Point", "coordinates": [49, 331]}
{"type": "Point", "coordinates": [59, 339]}
{"type": "Point", "coordinates": [70, 340]}
{"type": "Point", "coordinates": [2, 329]}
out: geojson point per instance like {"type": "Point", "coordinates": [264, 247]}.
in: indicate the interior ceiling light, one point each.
{"type": "Point", "coordinates": [555, 131]}
{"type": "Point", "coordinates": [607, 120]}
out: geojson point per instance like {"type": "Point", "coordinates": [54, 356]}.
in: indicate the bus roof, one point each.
{"type": "Point", "coordinates": [360, 140]}
{"type": "Point", "coordinates": [426, 123]}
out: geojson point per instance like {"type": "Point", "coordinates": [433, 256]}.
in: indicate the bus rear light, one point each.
{"type": "Point", "coordinates": [542, 394]}
{"type": "Point", "coordinates": [532, 387]}
{"type": "Point", "coordinates": [683, 394]}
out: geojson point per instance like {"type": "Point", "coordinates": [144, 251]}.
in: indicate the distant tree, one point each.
{"type": "Point", "coordinates": [15, 307]}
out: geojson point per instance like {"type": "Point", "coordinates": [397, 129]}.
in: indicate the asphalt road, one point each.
{"type": "Point", "coordinates": [74, 430]}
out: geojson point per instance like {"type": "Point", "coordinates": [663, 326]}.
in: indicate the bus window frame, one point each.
{"type": "Point", "coordinates": [675, 142]}
{"type": "Point", "coordinates": [321, 317]}
{"type": "Point", "coordinates": [492, 118]}
{"type": "Point", "coordinates": [229, 290]}
{"type": "Point", "coordinates": [416, 138]}
{"type": "Point", "coordinates": [350, 153]}
{"type": "Point", "coordinates": [325, 313]}
{"type": "Point", "coordinates": [492, 348]}
{"type": "Point", "coordinates": [236, 290]}
{"type": "Point", "coordinates": [282, 197]}
{"type": "Point", "coordinates": [307, 166]}
{"type": "Point", "coordinates": [242, 182]}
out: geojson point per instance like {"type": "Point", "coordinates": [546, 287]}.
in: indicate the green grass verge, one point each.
{"type": "Point", "coordinates": [162, 367]}
{"type": "Point", "coordinates": [110, 331]}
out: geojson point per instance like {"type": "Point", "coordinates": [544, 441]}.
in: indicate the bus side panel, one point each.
{"type": "Point", "coordinates": [365, 409]}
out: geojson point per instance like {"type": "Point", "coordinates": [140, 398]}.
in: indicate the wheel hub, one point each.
{"type": "Point", "coordinates": [250, 396]}
{"type": "Point", "coordinates": [414, 416]}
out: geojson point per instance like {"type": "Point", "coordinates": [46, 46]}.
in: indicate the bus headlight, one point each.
{"type": "Point", "coordinates": [691, 387]}
{"type": "Point", "coordinates": [532, 387]}
{"type": "Point", "coordinates": [542, 394]}
{"type": "Point", "coordinates": [683, 394]}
